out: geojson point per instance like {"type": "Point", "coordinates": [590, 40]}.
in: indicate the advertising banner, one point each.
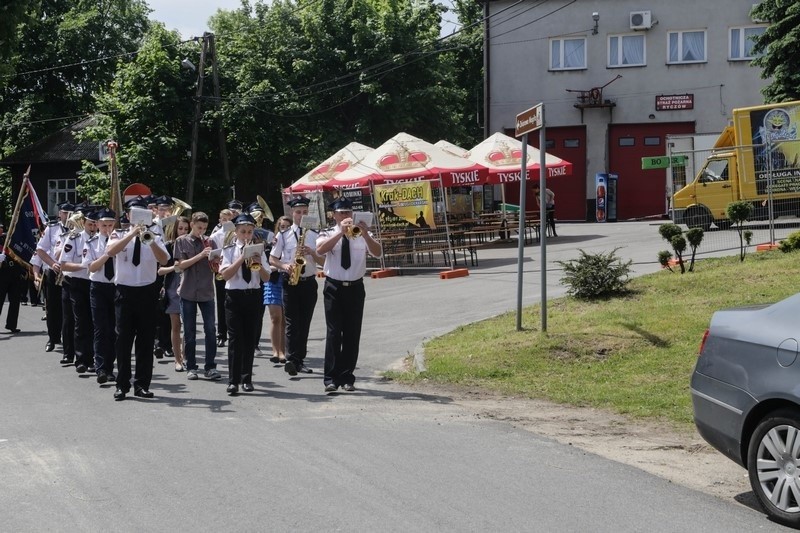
{"type": "Point", "coordinates": [777, 146]}
{"type": "Point", "coordinates": [405, 205]}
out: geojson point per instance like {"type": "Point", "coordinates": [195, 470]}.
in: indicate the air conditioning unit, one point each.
{"type": "Point", "coordinates": [641, 20]}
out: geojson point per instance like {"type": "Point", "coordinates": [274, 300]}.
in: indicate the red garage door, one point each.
{"type": "Point", "coordinates": [640, 193]}
{"type": "Point", "coordinates": [568, 143]}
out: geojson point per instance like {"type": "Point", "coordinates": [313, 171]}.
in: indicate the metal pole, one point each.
{"type": "Point", "coordinates": [543, 219]}
{"type": "Point", "coordinates": [523, 177]}
{"type": "Point", "coordinates": [770, 147]}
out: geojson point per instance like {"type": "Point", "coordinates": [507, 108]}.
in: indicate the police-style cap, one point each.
{"type": "Point", "coordinates": [164, 200]}
{"type": "Point", "coordinates": [94, 215]}
{"type": "Point", "coordinates": [150, 200]}
{"type": "Point", "coordinates": [244, 218]}
{"type": "Point", "coordinates": [298, 201]}
{"type": "Point", "coordinates": [124, 219]}
{"type": "Point", "coordinates": [136, 202]}
{"type": "Point", "coordinates": [66, 206]}
{"type": "Point", "coordinates": [235, 204]}
{"type": "Point", "coordinates": [255, 206]}
{"type": "Point", "coordinates": [105, 214]}
{"type": "Point", "coordinates": [83, 208]}
{"type": "Point", "coordinates": [341, 204]}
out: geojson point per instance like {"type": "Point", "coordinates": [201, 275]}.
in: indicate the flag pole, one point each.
{"type": "Point", "coordinates": [15, 216]}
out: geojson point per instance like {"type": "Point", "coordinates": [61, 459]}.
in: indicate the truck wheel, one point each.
{"type": "Point", "coordinates": [698, 217]}
{"type": "Point", "coordinates": [723, 224]}
{"type": "Point", "coordinates": [773, 459]}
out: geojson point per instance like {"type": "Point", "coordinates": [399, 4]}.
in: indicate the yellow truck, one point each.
{"type": "Point", "coordinates": [758, 151]}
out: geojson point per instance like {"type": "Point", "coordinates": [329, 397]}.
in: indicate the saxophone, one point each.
{"type": "Point", "coordinates": [299, 260]}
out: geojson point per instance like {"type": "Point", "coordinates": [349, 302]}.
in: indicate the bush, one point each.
{"type": "Point", "coordinates": [790, 243]}
{"type": "Point", "coordinates": [594, 276]}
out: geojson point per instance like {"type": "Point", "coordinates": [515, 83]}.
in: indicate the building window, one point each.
{"type": "Point", "coordinates": [549, 144]}
{"type": "Point", "coordinates": [652, 141]}
{"type": "Point", "coordinates": [59, 191]}
{"type": "Point", "coordinates": [572, 143]}
{"type": "Point", "coordinates": [626, 51]}
{"type": "Point", "coordinates": [567, 54]}
{"type": "Point", "coordinates": [687, 47]}
{"type": "Point", "coordinates": [741, 42]}
{"type": "Point", "coordinates": [627, 141]}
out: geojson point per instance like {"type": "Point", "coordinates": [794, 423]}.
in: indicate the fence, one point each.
{"type": "Point", "coordinates": [767, 176]}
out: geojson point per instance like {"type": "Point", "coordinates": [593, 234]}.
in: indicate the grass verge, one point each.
{"type": "Point", "coordinates": [633, 355]}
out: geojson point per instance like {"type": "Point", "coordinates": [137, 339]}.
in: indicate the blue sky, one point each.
{"type": "Point", "coordinates": [190, 17]}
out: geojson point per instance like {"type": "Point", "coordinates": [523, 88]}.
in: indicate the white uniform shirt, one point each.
{"type": "Point", "coordinates": [333, 259]}
{"type": "Point", "coordinates": [93, 249]}
{"type": "Point", "coordinates": [286, 245]}
{"type": "Point", "coordinates": [126, 273]}
{"type": "Point", "coordinates": [73, 253]}
{"type": "Point", "coordinates": [229, 255]}
{"type": "Point", "coordinates": [50, 241]}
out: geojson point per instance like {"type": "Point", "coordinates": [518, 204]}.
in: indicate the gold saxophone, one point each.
{"type": "Point", "coordinates": [299, 260]}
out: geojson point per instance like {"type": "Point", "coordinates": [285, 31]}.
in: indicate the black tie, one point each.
{"type": "Point", "coordinates": [345, 253]}
{"type": "Point", "coordinates": [109, 269]}
{"type": "Point", "coordinates": [246, 274]}
{"type": "Point", "coordinates": [137, 252]}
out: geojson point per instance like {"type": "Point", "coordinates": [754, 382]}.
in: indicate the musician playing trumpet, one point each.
{"type": "Point", "coordinates": [243, 296]}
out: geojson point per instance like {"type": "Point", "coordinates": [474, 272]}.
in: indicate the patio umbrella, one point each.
{"type": "Point", "coordinates": [407, 158]}
{"type": "Point", "coordinates": [343, 159]}
{"type": "Point", "coordinates": [502, 155]}
{"type": "Point", "coordinates": [454, 149]}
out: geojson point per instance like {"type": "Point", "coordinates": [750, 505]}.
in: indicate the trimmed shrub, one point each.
{"type": "Point", "coordinates": [594, 276]}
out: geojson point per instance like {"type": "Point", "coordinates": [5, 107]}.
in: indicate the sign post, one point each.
{"type": "Point", "coordinates": [531, 120]}
{"type": "Point", "coordinates": [663, 161]}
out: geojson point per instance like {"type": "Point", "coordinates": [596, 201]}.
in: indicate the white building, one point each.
{"type": "Point", "coordinates": [617, 77]}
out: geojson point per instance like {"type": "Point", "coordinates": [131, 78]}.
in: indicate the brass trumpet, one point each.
{"type": "Point", "coordinates": [353, 232]}
{"type": "Point", "coordinates": [146, 236]}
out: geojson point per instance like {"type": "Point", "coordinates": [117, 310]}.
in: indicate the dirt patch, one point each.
{"type": "Point", "coordinates": [680, 457]}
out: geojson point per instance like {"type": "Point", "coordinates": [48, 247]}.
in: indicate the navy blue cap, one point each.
{"type": "Point", "coordinates": [255, 206]}
{"type": "Point", "coordinates": [94, 215]}
{"type": "Point", "coordinates": [124, 219]}
{"type": "Point", "coordinates": [235, 204]}
{"type": "Point", "coordinates": [150, 199]}
{"type": "Point", "coordinates": [66, 206]}
{"type": "Point", "coordinates": [83, 208]}
{"type": "Point", "coordinates": [164, 200]}
{"type": "Point", "coordinates": [298, 201]}
{"type": "Point", "coordinates": [105, 214]}
{"type": "Point", "coordinates": [136, 202]}
{"type": "Point", "coordinates": [341, 204]}
{"type": "Point", "coordinates": [244, 218]}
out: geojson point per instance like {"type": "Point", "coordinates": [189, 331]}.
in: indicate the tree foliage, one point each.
{"type": "Point", "coordinates": [780, 45]}
{"type": "Point", "coordinates": [738, 213]}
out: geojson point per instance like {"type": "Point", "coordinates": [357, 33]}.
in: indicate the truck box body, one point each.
{"type": "Point", "coordinates": [740, 168]}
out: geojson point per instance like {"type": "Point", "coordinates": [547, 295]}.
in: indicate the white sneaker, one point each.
{"type": "Point", "coordinates": [192, 374]}
{"type": "Point", "coordinates": [213, 374]}
{"type": "Point", "coordinates": [258, 352]}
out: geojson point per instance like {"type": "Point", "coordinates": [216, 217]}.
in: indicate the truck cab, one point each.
{"type": "Point", "coordinates": [706, 198]}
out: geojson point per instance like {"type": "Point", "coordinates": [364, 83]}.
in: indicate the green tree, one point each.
{"type": "Point", "coordinates": [673, 234]}
{"type": "Point", "coordinates": [780, 47]}
{"type": "Point", "coordinates": [12, 15]}
{"type": "Point", "coordinates": [738, 213]}
{"type": "Point", "coordinates": [694, 236]}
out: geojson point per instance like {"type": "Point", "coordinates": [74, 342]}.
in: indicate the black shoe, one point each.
{"type": "Point", "coordinates": [331, 388]}
{"type": "Point", "coordinates": [290, 368]}
{"type": "Point", "coordinates": [349, 387]}
{"type": "Point", "coordinates": [233, 388]}
{"type": "Point", "coordinates": [67, 360]}
{"type": "Point", "coordinates": [220, 342]}
{"type": "Point", "coordinates": [102, 377]}
{"type": "Point", "coordinates": [247, 387]}
{"type": "Point", "coordinates": [13, 330]}
{"type": "Point", "coordinates": [143, 393]}
{"type": "Point", "coordinates": [112, 378]}
{"type": "Point", "coordinates": [91, 369]}
{"type": "Point", "coordinates": [301, 367]}
{"type": "Point", "coordinates": [80, 369]}
{"type": "Point", "coordinates": [275, 359]}
{"type": "Point", "coordinates": [119, 395]}
{"type": "Point", "coordinates": [50, 346]}
{"type": "Point", "coordinates": [158, 353]}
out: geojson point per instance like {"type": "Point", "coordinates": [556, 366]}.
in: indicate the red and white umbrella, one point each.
{"type": "Point", "coordinates": [502, 155]}
{"type": "Point", "coordinates": [407, 158]}
{"type": "Point", "coordinates": [345, 158]}
{"type": "Point", "coordinates": [454, 149]}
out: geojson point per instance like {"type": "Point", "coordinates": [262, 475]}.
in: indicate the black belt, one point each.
{"type": "Point", "coordinates": [345, 283]}
{"type": "Point", "coordinates": [244, 291]}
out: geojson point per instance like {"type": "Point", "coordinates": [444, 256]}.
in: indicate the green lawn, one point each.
{"type": "Point", "coordinates": [633, 355]}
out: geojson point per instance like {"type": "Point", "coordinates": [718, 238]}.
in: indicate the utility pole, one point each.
{"type": "Point", "coordinates": [207, 51]}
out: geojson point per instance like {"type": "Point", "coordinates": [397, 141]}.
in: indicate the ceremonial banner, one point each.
{"type": "Point", "coordinates": [405, 205]}
{"type": "Point", "coordinates": [28, 217]}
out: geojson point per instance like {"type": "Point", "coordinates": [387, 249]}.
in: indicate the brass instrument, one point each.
{"type": "Point", "coordinates": [146, 236]}
{"type": "Point", "coordinates": [353, 232]}
{"type": "Point", "coordinates": [179, 207]}
{"type": "Point", "coordinates": [254, 266]}
{"type": "Point", "coordinates": [75, 223]}
{"type": "Point", "coordinates": [299, 260]}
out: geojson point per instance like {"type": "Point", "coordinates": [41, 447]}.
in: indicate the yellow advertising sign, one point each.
{"type": "Point", "coordinates": [405, 205]}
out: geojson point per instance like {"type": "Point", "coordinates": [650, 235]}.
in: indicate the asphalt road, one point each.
{"type": "Point", "coordinates": [288, 457]}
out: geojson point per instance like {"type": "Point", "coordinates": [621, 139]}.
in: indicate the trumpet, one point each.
{"type": "Point", "coordinates": [146, 236]}
{"type": "Point", "coordinates": [353, 232]}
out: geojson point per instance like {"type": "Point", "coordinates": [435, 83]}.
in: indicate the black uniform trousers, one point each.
{"type": "Point", "coordinates": [344, 311]}
{"type": "Point", "coordinates": [53, 307]}
{"type": "Point", "coordinates": [298, 308]}
{"type": "Point", "coordinates": [101, 297]}
{"type": "Point", "coordinates": [242, 313]}
{"type": "Point", "coordinates": [67, 320]}
{"type": "Point", "coordinates": [136, 310]}
{"type": "Point", "coordinates": [10, 283]}
{"type": "Point", "coordinates": [222, 327]}
{"type": "Point", "coordinates": [82, 311]}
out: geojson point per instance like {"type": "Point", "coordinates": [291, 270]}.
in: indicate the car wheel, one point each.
{"type": "Point", "coordinates": [698, 217]}
{"type": "Point", "coordinates": [773, 464]}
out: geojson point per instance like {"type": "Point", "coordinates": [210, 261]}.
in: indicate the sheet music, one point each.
{"type": "Point", "coordinates": [139, 215]}
{"type": "Point", "coordinates": [214, 254]}
{"type": "Point", "coordinates": [309, 222]}
{"type": "Point", "coordinates": [366, 216]}
{"type": "Point", "coordinates": [252, 250]}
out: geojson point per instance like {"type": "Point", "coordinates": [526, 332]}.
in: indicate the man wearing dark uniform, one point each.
{"type": "Point", "coordinates": [13, 278]}
{"type": "Point", "coordinates": [46, 250]}
{"type": "Point", "coordinates": [298, 300]}
{"type": "Point", "coordinates": [345, 266]}
{"type": "Point", "coordinates": [136, 305]}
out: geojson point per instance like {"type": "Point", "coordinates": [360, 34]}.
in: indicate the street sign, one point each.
{"type": "Point", "coordinates": [133, 190]}
{"type": "Point", "coordinates": [528, 121]}
{"type": "Point", "coordinates": [650, 163]}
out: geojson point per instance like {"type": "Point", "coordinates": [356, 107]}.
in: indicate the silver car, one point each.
{"type": "Point", "coordinates": [746, 397]}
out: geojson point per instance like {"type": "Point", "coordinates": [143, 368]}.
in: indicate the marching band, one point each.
{"type": "Point", "coordinates": [113, 295]}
